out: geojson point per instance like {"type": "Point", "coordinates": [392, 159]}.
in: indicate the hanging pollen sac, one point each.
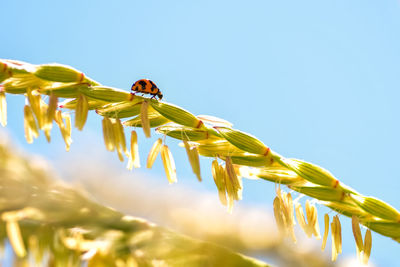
{"type": "Point", "coordinates": [280, 222]}
{"type": "Point", "coordinates": [193, 156]}
{"type": "Point", "coordinates": [30, 126]}
{"type": "Point", "coordinates": [65, 128]}
{"type": "Point", "coordinates": [312, 220]}
{"type": "Point", "coordinates": [50, 114]}
{"type": "Point", "coordinates": [3, 109]}
{"type": "Point", "coordinates": [108, 134]}
{"type": "Point", "coordinates": [336, 230]}
{"type": "Point", "coordinates": [144, 117]}
{"type": "Point", "coordinates": [289, 216]}
{"type": "Point", "coordinates": [219, 179]}
{"type": "Point", "coordinates": [119, 136]}
{"type": "Point", "coordinates": [339, 233]}
{"type": "Point", "coordinates": [283, 210]}
{"type": "Point", "coordinates": [367, 246]}
{"type": "Point", "coordinates": [154, 151]}
{"type": "Point", "coordinates": [229, 189]}
{"type": "Point", "coordinates": [81, 112]}
{"type": "Point", "coordinates": [14, 235]}
{"type": "Point", "coordinates": [334, 237]}
{"type": "Point", "coordinates": [122, 137]}
{"type": "Point", "coordinates": [43, 114]}
{"type": "Point", "coordinates": [234, 180]}
{"type": "Point", "coordinates": [233, 184]}
{"type": "Point", "coordinates": [326, 231]}
{"type": "Point", "coordinates": [134, 160]}
{"type": "Point", "coordinates": [34, 101]}
{"type": "Point", "coordinates": [169, 164]}
{"type": "Point", "coordinates": [315, 224]}
{"type": "Point", "coordinates": [301, 219]}
{"type": "Point", "coordinates": [355, 225]}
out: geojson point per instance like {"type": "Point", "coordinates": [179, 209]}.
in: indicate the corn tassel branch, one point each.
{"type": "Point", "coordinates": [244, 155]}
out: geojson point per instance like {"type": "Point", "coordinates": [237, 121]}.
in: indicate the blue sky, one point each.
{"type": "Point", "coordinates": [316, 80]}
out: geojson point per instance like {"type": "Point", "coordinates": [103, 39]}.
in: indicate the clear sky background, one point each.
{"type": "Point", "coordinates": [316, 80]}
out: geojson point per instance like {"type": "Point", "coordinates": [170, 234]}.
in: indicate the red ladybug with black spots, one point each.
{"type": "Point", "coordinates": [146, 86]}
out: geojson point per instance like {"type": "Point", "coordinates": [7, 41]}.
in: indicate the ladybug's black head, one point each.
{"type": "Point", "coordinates": [160, 95]}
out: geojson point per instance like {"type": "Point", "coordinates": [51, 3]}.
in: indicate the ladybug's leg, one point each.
{"type": "Point", "coordinates": [132, 95]}
{"type": "Point", "coordinates": [153, 97]}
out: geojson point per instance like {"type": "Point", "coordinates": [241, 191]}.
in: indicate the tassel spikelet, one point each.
{"type": "Point", "coordinates": [119, 110]}
{"type": "Point", "coordinates": [244, 141]}
{"type": "Point", "coordinates": [311, 172]}
{"type": "Point", "coordinates": [177, 114]}
{"type": "Point", "coordinates": [59, 73]}
{"type": "Point", "coordinates": [92, 104]}
{"type": "Point", "coordinates": [155, 119]}
{"type": "Point", "coordinates": [108, 94]}
{"type": "Point", "coordinates": [202, 135]}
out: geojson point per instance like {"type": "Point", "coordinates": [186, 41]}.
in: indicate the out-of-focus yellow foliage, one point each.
{"type": "Point", "coordinates": [52, 224]}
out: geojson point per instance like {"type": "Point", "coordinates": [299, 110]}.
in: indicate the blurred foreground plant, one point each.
{"type": "Point", "coordinates": [48, 223]}
{"type": "Point", "coordinates": [236, 154]}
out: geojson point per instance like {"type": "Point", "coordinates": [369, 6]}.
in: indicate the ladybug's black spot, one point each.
{"type": "Point", "coordinates": [143, 84]}
{"type": "Point", "coordinates": [153, 88]}
{"type": "Point", "coordinates": [153, 84]}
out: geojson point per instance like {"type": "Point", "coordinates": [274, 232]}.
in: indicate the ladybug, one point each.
{"type": "Point", "coordinates": [146, 86]}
